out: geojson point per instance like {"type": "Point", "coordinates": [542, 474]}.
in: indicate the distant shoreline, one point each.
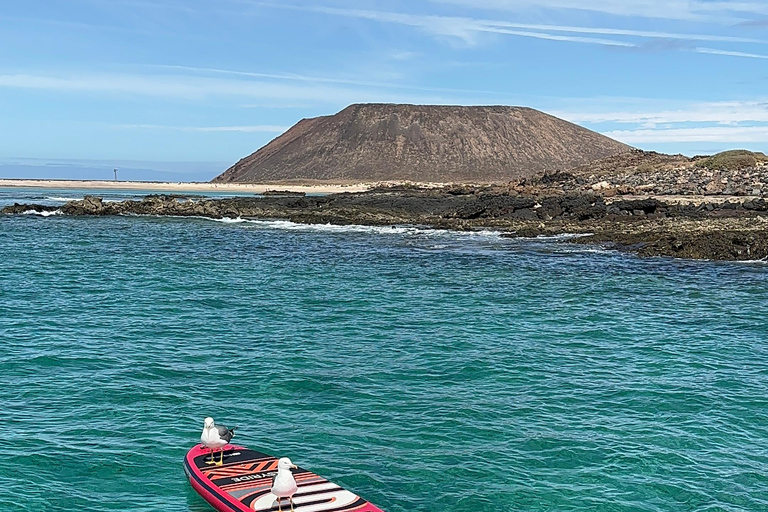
{"type": "Point", "coordinates": [168, 186]}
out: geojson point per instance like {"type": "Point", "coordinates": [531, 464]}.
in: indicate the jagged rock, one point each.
{"type": "Point", "coordinates": [17, 208]}
{"type": "Point", "coordinates": [583, 207]}
{"type": "Point", "coordinates": [89, 205]}
{"type": "Point", "coordinates": [649, 226]}
{"type": "Point", "coordinates": [646, 206]}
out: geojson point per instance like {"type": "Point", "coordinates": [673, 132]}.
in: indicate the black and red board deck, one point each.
{"type": "Point", "coordinates": [243, 483]}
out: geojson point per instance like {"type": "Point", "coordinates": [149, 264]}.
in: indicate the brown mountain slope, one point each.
{"type": "Point", "coordinates": [376, 142]}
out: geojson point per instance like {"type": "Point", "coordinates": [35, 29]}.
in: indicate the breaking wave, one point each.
{"type": "Point", "coordinates": [287, 225]}
{"type": "Point", "coordinates": [42, 214]}
{"type": "Point", "coordinates": [63, 199]}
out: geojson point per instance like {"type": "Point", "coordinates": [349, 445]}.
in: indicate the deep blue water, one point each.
{"type": "Point", "coordinates": [424, 370]}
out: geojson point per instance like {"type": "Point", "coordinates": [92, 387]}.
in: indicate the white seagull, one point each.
{"type": "Point", "coordinates": [283, 484]}
{"type": "Point", "coordinates": [216, 437]}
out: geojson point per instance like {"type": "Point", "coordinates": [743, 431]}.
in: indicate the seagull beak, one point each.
{"type": "Point", "coordinates": [294, 466]}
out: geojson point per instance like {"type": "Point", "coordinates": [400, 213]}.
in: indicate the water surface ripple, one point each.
{"type": "Point", "coordinates": [424, 370]}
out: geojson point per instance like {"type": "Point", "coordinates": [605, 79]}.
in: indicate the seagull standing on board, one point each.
{"type": "Point", "coordinates": [216, 437]}
{"type": "Point", "coordinates": [283, 484]}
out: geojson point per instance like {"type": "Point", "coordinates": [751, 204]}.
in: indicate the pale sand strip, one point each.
{"type": "Point", "coordinates": [253, 188]}
{"type": "Point", "coordinates": [683, 200]}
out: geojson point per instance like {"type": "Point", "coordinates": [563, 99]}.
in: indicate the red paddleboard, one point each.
{"type": "Point", "coordinates": [243, 483]}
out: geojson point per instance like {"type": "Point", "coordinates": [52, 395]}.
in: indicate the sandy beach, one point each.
{"type": "Point", "coordinates": [255, 188]}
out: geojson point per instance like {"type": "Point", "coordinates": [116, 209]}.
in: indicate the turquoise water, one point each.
{"type": "Point", "coordinates": [424, 370]}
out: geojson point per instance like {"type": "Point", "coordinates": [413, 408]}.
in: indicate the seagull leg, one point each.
{"type": "Point", "coordinates": [291, 500]}
{"type": "Point", "coordinates": [279, 504]}
{"type": "Point", "coordinates": [221, 462]}
{"type": "Point", "coordinates": [213, 458]}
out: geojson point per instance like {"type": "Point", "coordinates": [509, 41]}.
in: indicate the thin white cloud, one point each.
{"type": "Point", "coordinates": [555, 37]}
{"type": "Point", "coordinates": [721, 134]}
{"type": "Point", "coordinates": [467, 29]}
{"type": "Point", "coordinates": [188, 87]}
{"type": "Point", "coordinates": [315, 79]}
{"type": "Point", "coordinates": [630, 33]}
{"type": "Point", "coordinates": [246, 129]}
{"type": "Point", "coordinates": [713, 51]}
{"type": "Point", "coordinates": [689, 10]}
{"type": "Point", "coordinates": [725, 112]}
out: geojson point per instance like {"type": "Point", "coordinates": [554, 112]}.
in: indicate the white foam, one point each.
{"type": "Point", "coordinates": [763, 261]}
{"type": "Point", "coordinates": [564, 237]}
{"type": "Point", "coordinates": [42, 214]}
{"type": "Point", "coordinates": [287, 225]}
{"type": "Point", "coordinates": [63, 199]}
{"type": "Point", "coordinates": [230, 220]}
{"type": "Point", "coordinates": [357, 228]}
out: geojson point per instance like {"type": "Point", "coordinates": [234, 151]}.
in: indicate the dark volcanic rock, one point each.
{"type": "Point", "coordinates": [424, 143]}
{"type": "Point", "coordinates": [646, 206]}
{"type": "Point", "coordinates": [89, 205]}
{"type": "Point", "coordinates": [583, 207]}
{"type": "Point", "coordinates": [713, 230]}
{"type": "Point", "coordinates": [268, 193]}
{"type": "Point", "coordinates": [712, 244]}
{"type": "Point", "coordinates": [17, 208]}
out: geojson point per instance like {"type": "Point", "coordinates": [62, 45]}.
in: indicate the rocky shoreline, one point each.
{"type": "Point", "coordinates": [715, 229]}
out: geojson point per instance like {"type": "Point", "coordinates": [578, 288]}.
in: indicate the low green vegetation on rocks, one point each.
{"type": "Point", "coordinates": [734, 160]}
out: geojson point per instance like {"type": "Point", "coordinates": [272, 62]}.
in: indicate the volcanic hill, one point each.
{"type": "Point", "coordinates": [424, 143]}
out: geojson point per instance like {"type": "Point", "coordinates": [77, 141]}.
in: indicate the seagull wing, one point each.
{"type": "Point", "coordinates": [225, 433]}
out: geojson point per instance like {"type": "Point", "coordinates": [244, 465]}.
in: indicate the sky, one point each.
{"type": "Point", "coordinates": [181, 89]}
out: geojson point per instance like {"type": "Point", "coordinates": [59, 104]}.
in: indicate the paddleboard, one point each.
{"type": "Point", "coordinates": [243, 483]}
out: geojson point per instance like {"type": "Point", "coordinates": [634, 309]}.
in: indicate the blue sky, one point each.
{"type": "Point", "coordinates": [183, 88]}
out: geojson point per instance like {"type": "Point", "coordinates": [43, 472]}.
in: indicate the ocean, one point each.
{"type": "Point", "coordinates": [424, 370]}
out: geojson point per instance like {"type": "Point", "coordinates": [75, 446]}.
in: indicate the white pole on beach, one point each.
{"type": "Point", "coordinates": [115, 174]}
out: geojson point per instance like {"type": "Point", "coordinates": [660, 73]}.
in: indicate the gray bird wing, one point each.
{"type": "Point", "coordinates": [225, 433]}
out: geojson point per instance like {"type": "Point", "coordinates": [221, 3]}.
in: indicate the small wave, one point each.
{"type": "Point", "coordinates": [230, 220]}
{"type": "Point", "coordinates": [358, 228]}
{"type": "Point", "coordinates": [42, 214]}
{"type": "Point", "coordinates": [763, 261]}
{"type": "Point", "coordinates": [564, 237]}
{"type": "Point", "coordinates": [336, 228]}
{"type": "Point", "coordinates": [63, 199]}
{"type": "Point", "coordinates": [597, 250]}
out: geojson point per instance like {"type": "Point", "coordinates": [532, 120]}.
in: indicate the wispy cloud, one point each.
{"type": "Point", "coordinates": [718, 134]}
{"type": "Point", "coordinates": [468, 29]}
{"type": "Point", "coordinates": [727, 53]}
{"type": "Point", "coordinates": [21, 21]}
{"type": "Point", "coordinates": [245, 129]}
{"type": "Point", "coordinates": [691, 10]}
{"type": "Point", "coordinates": [191, 87]}
{"type": "Point", "coordinates": [316, 79]}
{"type": "Point", "coordinates": [724, 112]}
{"type": "Point", "coordinates": [754, 23]}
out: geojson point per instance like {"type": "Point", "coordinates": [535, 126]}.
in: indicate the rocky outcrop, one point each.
{"type": "Point", "coordinates": [16, 208]}
{"type": "Point", "coordinates": [424, 143]}
{"type": "Point", "coordinates": [712, 242]}
{"type": "Point", "coordinates": [649, 173]}
{"type": "Point", "coordinates": [90, 205]}
{"type": "Point", "coordinates": [730, 230]}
